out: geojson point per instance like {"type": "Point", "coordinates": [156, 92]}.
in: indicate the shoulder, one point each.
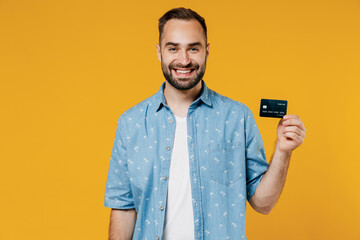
{"type": "Point", "coordinates": [226, 103]}
{"type": "Point", "coordinates": [137, 111]}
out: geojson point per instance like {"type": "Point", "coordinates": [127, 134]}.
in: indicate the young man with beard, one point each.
{"type": "Point", "coordinates": [185, 160]}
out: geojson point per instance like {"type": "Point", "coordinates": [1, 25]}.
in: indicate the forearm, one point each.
{"type": "Point", "coordinates": [271, 185]}
{"type": "Point", "coordinates": [122, 224]}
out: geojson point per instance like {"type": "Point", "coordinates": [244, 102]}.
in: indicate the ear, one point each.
{"type": "Point", "coordinates": [158, 52]}
{"type": "Point", "coordinates": [207, 50]}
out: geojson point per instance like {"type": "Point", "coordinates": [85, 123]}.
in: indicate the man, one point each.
{"type": "Point", "coordinates": [186, 159]}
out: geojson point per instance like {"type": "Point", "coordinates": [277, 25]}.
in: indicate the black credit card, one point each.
{"type": "Point", "coordinates": [273, 108]}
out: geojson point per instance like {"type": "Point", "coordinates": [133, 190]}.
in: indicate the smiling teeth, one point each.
{"type": "Point", "coordinates": [180, 71]}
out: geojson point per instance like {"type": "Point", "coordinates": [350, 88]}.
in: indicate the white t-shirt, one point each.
{"type": "Point", "coordinates": [179, 220]}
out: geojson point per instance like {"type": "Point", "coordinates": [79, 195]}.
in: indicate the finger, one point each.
{"type": "Point", "coordinates": [294, 122]}
{"type": "Point", "coordinates": [293, 129]}
{"type": "Point", "coordinates": [293, 116]}
{"type": "Point", "coordinates": [289, 116]}
{"type": "Point", "coordinates": [293, 136]}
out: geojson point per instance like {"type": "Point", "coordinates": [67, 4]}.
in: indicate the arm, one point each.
{"type": "Point", "coordinates": [291, 133]}
{"type": "Point", "coordinates": [122, 224]}
{"type": "Point", "coordinates": [118, 194]}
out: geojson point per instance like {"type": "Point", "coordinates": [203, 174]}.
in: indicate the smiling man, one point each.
{"type": "Point", "coordinates": [185, 160]}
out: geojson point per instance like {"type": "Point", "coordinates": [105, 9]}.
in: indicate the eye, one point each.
{"type": "Point", "coordinates": [172, 49]}
{"type": "Point", "coordinates": [194, 49]}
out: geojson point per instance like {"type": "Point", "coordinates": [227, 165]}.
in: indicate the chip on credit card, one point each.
{"type": "Point", "coordinates": [273, 108]}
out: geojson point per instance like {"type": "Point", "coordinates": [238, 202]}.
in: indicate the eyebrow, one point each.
{"type": "Point", "coordinates": [177, 44]}
{"type": "Point", "coordinates": [172, 44]}
{"type": "Point", "coordinates": [195, 44]}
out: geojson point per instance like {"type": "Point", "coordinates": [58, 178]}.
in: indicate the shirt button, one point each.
{"type": "Point", "coordinates": [171, 121]}
{"type": "Point", "coordinates": [157, 238]}
{"type": "Point", "coordinates": [164, 178]}
{"type": "Point", "coordinates": [167, 148]}
{"type": "Point", "coordinates": [161, 208]}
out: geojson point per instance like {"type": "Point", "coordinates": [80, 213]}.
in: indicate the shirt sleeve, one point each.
{"type": "Point", "coordinates": [256, 164]}
{"type": "Point", "coordinates": [118, 190]}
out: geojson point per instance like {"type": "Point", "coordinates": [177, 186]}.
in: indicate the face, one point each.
{"type": "Point", "coordinates": [183, 53]}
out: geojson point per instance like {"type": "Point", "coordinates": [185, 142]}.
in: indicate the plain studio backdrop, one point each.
{"type": "Point", "coordinates": [68, 69]}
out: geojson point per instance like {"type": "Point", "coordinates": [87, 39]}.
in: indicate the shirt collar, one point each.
{"type": "Point", "coordinates": [205, 96]}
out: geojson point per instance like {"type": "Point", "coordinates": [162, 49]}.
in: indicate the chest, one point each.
{"type": "Point", "coordinates": [215, 142]}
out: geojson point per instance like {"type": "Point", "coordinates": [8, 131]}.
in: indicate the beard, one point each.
{"type": "Point", "coordinates": [183, 83]}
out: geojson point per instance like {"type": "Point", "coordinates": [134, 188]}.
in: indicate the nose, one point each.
{"type": "Point", "coordinates": [184, 58]}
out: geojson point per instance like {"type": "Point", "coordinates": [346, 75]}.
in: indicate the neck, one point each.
{"type": "Point", "coordinates": [180, 100]}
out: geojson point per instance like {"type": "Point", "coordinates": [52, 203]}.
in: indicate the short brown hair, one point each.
{"type": "Point", "coordinates": [181, 14]}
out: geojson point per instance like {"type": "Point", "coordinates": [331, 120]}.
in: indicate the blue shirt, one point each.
{"type": "Point", "coordinates": [227, 162]}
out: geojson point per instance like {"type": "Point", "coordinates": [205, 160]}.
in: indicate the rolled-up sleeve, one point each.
{"type": "Point", "coordinates": [256, 164]}
{"type": "Point", "coordinates": [118, 190]}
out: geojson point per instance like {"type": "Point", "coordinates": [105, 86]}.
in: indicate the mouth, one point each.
{"type": "Point", "coordinates": [183, 72]}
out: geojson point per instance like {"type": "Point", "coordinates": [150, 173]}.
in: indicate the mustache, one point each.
{"type": "Point", "coordinates": [178, 65]}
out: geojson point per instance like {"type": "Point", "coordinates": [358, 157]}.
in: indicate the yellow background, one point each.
{"type": "Point", "coordinates": [69, 68]}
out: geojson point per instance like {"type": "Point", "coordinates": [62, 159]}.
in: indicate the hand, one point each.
{"type": "Point", "coordinates": [291, 133]}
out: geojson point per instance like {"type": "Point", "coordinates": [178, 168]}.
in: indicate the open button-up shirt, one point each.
{"type": "Point", "coordinates": [226, 159]}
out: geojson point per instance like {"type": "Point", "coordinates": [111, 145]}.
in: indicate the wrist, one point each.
{"type": "Point", "coordinates": [284, 153]}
